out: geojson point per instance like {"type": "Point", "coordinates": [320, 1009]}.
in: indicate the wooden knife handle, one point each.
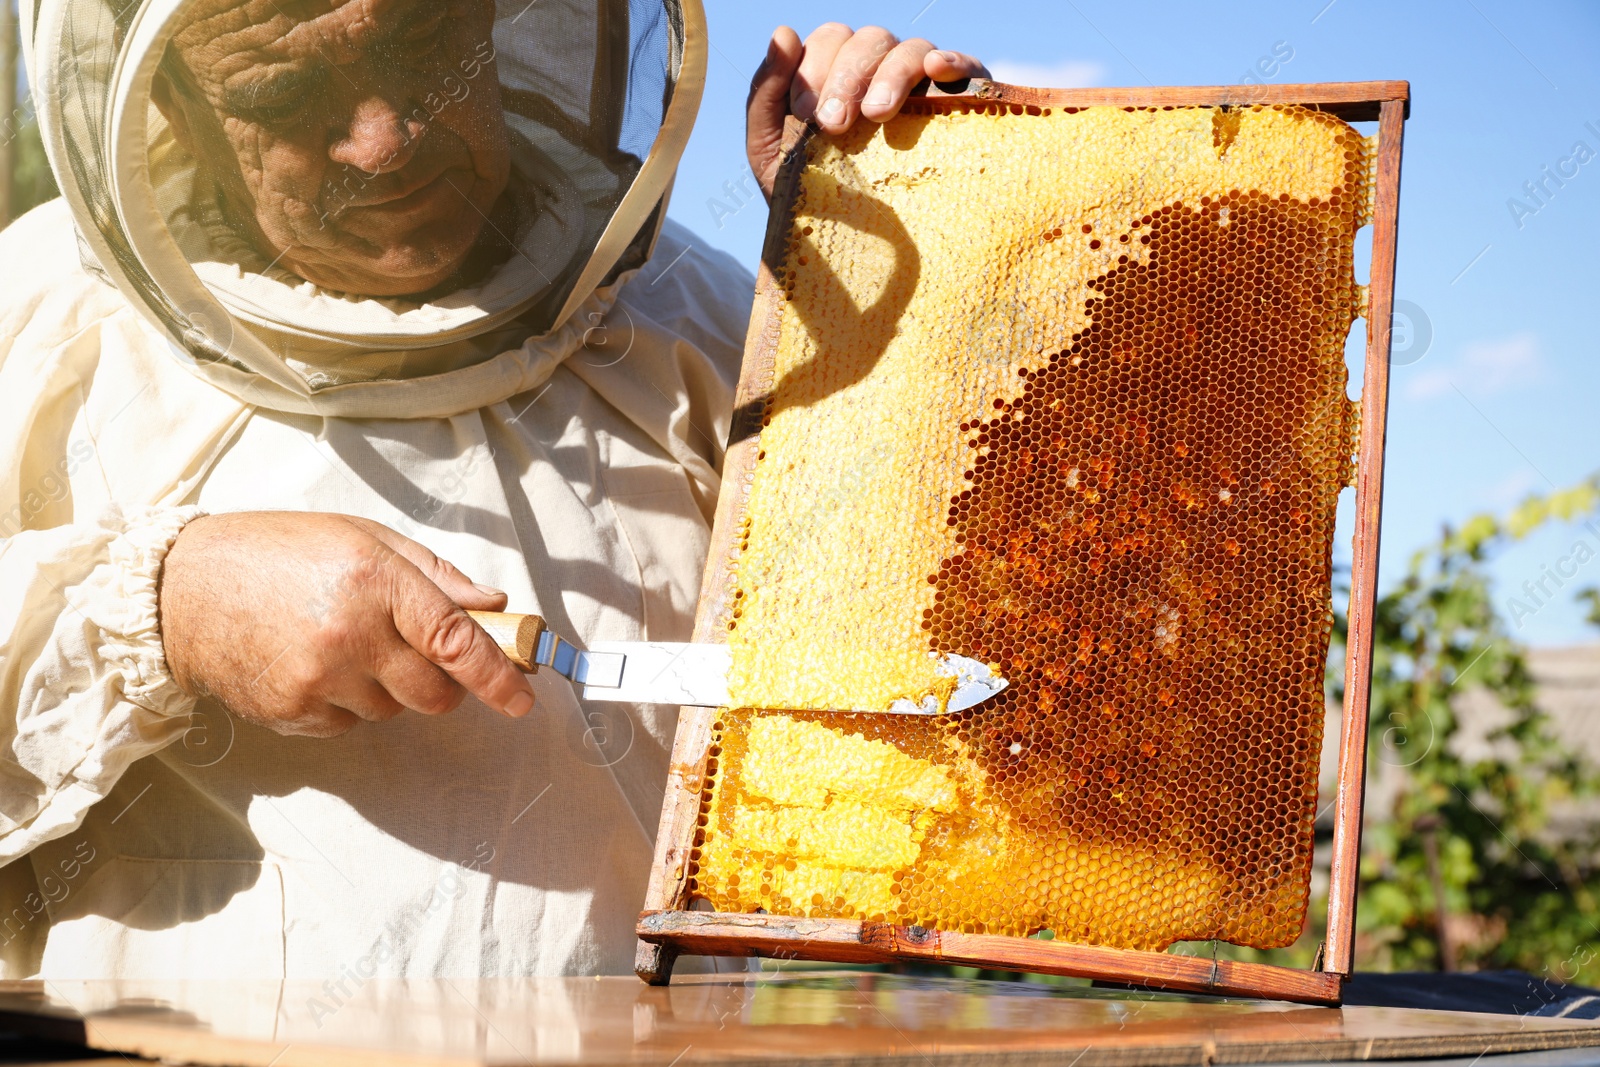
{"type": "Point", "coordinates": [517, 635]}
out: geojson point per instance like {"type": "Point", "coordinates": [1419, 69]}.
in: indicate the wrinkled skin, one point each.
{"type": "Point", "coordinates": [359, 143]}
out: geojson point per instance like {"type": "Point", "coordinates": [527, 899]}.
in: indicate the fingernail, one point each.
{"type": "Point", "coordinates": [950, 58]}
{"type": "Point", "coordinates": [880, 98]}
{"type": "Point", "coordinates": [519, 705]}
{"type": "Point", "coordinates": [832, 110]}
{"type": "Point", "coordinates": [805, 104]}
{"type": "Point", "coordinates": [488, 590]}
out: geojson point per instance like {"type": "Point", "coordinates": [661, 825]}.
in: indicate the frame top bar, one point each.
{"type": "Point", "coordinates": [1351, 101]}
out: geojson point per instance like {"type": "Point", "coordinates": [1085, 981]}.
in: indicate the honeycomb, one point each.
{"type": "Point", "coordinates": [1062, 390]}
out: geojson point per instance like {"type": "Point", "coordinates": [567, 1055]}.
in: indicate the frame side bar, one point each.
{"type": "Point", "coordinates": [680, 808]}
{"type": "Point", "coordinates": [1344, 875]}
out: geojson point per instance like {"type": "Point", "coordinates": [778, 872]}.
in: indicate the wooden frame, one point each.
{"type": "Point", "coordinates": [667, 927]}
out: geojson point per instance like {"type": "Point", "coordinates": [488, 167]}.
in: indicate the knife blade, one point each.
{"type": "Point", "coordinates": [676, 672]}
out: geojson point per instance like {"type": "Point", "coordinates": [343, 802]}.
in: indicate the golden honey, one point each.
{"type": "Point", "coordinates": [1062, 390]}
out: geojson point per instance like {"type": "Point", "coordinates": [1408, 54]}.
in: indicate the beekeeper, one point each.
{"type": "Point", "coordinates": [338, 291]}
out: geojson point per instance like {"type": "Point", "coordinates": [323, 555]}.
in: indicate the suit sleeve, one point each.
{"type": "Point", "coordinates": [84, 685]}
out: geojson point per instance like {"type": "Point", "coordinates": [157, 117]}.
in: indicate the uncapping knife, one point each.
{"type": "Point", "coordinates": [666, 672]}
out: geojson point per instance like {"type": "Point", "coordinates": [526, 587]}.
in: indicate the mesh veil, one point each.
{"type": "Point", "coordinates": [594, 103]}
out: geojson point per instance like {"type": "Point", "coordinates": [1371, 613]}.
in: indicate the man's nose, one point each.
{"type": "Point", "coordinates": [377, 139]}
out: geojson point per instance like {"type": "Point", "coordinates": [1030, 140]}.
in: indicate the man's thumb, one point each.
{"type": "Point", "coordinates": [768, 104]}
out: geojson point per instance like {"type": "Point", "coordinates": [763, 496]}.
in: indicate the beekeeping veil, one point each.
{"type": "Point", "coordinates": [324, 203]}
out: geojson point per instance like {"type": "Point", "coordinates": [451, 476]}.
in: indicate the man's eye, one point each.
{"type": "Point", "coordinates": [421, 39]}
{"type": "Point", "coordinates": [277, 100]}
{"type": "Point", "coordinates": [428, 27]}
{"type": "Point", "coordinates": [276, 112]}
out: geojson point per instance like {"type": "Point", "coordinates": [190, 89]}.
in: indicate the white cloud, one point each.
{"type": "Point", "coordinates": [1483, 367]}
{"type": "Point", "coordinates": [1511, 490]}
{"type": "Point", "coordinates": [1067, 74]}
{"type": "Point", "coordinates": [1429, 384]}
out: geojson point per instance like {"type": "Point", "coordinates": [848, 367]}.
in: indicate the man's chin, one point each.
{"type": "Point", "coordinates": [369, 281]}
{"type": "Point", "coordinates": [397, 272]}
{"type": "Point", "coordinates": [374, 255]}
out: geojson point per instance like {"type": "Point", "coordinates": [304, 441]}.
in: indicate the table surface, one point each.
{"type": "Point", "coordinates": [751, 1018]}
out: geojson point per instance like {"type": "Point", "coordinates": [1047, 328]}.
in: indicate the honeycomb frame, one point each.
{"type": "Point", "coordinates": [668, 927]}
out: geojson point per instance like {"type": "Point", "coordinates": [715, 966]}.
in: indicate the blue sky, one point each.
{"type": "Point", "coordinates": [1503, 400]}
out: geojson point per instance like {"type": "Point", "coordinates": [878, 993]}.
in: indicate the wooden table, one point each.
{"type": "Point", "coordinates": [838, 1017]}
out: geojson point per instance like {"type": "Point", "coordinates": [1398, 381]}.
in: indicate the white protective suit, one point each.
{"type": "Point", "coordinates": [554, 429]}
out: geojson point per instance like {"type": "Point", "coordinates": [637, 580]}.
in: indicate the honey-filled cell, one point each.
{"type": "Point", "coordinates": [1062, 390]}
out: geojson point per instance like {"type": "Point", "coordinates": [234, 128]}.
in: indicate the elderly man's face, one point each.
{"type": "Point", "coordinates": [360, 142]}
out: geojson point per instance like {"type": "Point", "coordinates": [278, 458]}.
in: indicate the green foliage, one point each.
{"type": "Point", "coordinates": [32, 182]}
{"type": "Point", "coordinates": [1514, 894]}
{"type": "Point", "coordinates": [1592, 596]}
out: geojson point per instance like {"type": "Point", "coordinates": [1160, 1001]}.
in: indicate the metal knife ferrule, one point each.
{"type": "Point", "coordinates": [583, 668]}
